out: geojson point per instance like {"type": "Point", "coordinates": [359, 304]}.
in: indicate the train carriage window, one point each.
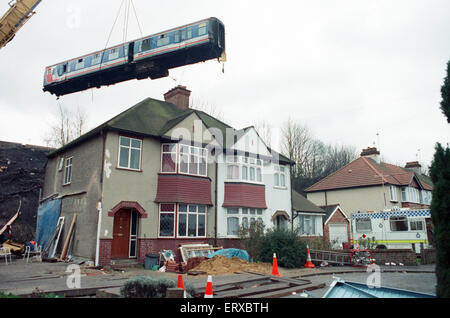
{"type": "Point", "coordinates": [79, 64]}
{"type": "Point", "coordinates": [363, 225]}
{"type": "Point", "coordinates": [183, 34]}
{"type": "Point", "coordinates": [113, 54]}
{"type": "Point", "coordinates": [202, 29]}
{"type": "Point", "coordinates": [177, 36]}
{"type": "Point", "coordinates": [162, 40]}
{"type": "Point", "coordinates": [95, 59]}
{"type": "Point", "coordinates": [189, 32]}
{"type": "Point", "coordinates": [145, 45]}
{"type": "Point", "coordinates": [398, 223]}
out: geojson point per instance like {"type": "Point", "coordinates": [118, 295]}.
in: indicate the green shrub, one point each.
{"type": "Point", "coordinates": [290, 250]}
{"type": "Point", "coordinates": [146, 287]}
{"type": "Point", "coordinates": [251, 238]}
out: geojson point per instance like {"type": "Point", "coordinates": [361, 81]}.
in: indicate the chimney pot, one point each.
{"type": "Point", "coordinates": [179, 96]}
{"type": "Point", "coordinates": [371, 152]}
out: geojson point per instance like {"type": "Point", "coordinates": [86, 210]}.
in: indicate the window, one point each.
{"type": "Point", "coordinates": [95, 59]}
{"type": "Point", "coordinates": [162, 40]}
{"type": "Point", "coordinates": [232, 172]}
{"type": "Point", "coordinates": [166, 220]}
{"type": "Point", "coordinates": [145, 45]}
{"type": "Point", "coordinates": [237, 217]}
{"type": "Point", "coordinates": [416, 225]}
{"type": "Point", "coordinates": [307, 225]}
{"type": "Point", "coordinates": [193, 160]}
{"type": "Point", "coordinates": [169, 158]}
{"type": "Point", "coordinates": [79, 64]}
{"type": "Point", "coordinates": [393, 193]}
{"type": "Point", "coordinates": [61, 164]}
{"type": "Point", "coordinates": [280, 176]}
{"type": "Point", "coordinates": [410, 194]}
{"type": "Point", "coordinates": [363, 225]}
{"type": "Point", "coordinates": [68, 171]}
{"type": "Point", "coordinates": [191, 220]}
{"type": "Point", "coordinates": [202, 29]}
{"type": "Point", "coordinates": [177, 35]}
{"type": "Point", "coordinates": [189, 32]}
{"type": "Point", "coordinates": [113, 53]}
{"type": "Point", "coordinates": [426, 197]}
{"type": "Point", "coordinates": [398, 223]}
{"type": "Point", "coordinates": [130, 153]}
{"type": "Point", "coordinates": [133, 233]}
{"type": "Point", "coordinates": [249, 168]}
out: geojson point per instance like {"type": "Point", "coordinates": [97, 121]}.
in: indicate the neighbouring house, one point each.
{"type": "Point", "coordinates": [253, 185]}
{"type": "Point", "coordinates": [336, 226]}
{"type": "Point", "coordinates": [21, 178]}
{"type": "Point", "coordinates": [160, 175]}
{"type": "Point", "coordinates": [308, 218]}
{"type": "Point", "coordinates": [368, 184]}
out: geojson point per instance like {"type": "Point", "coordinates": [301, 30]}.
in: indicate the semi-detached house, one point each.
{"type": "Point", "coordinates": [160, 175]}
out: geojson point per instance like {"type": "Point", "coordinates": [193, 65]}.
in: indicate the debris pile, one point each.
{"type": "Point", "coordinates": [219, 264]}
{"type": "Point", "coordinates": [21, 177]}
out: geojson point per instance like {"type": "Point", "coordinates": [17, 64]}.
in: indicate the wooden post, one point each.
{"type": "Point", "coordinates": [69, 234]}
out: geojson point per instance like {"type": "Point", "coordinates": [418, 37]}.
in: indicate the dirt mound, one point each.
{"type": "Point", "coordinates": [219, 264]}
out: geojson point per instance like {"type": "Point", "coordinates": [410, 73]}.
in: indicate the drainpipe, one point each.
{"type": "Point", "coordinates": [99, 226]}
{"type": "Point", "coordinates": [215, 205]}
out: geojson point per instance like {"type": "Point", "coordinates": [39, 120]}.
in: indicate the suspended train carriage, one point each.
{"type": "Point", "coordinates": [148, 57]}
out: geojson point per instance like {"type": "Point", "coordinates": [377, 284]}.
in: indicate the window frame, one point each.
{"type": "Point", "coordinates": [174, 213]}
{"type": "Point", "coordinates": [359, 230]}
{"type": "Point", "coordinates": [312, 225]}
{"type": "Point", "coordinates": [396, 220]}
{"type": "Point", "coordinates": [393, 193]}
{"type": "Point", "coordinates": [252, 166]}
{"type": "Point", "coordinates": [169, 152]}
{"type": "Point", "coordinates": [250, 215]}
{"type": "Point", "coordinates": [68, 171]}
{"type": "Point", "coordinates": [280, 177]}
{"type": "Point", "coordinates": [129, 153]}
{"type": "Point", "coordinates": [202, 153]}
{"type": "Point", "coordinates": [188, 212]}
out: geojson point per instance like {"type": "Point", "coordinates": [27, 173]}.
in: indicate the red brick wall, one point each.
{"type": "Point", "coordinates": [337, 217]}
{"type": "Point", "coordinates": [404, 256]}
{"type": "Point", "coordinates": [105, 252]}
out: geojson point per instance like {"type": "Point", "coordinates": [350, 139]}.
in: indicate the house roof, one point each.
{"type": "Point", "coordinates": [302, 204]}
{"type": "Point", "coordinates": [152, 117]}
{"type": "Point", "coordinates": [330, 209]}
{"type": "Point", "coordinates": [364, 171]}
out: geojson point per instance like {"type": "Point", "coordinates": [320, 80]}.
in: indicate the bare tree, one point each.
{"type": "Point", "coordinates": [314, 160]}
{"type": "Point", "coordinates": [67, 126]}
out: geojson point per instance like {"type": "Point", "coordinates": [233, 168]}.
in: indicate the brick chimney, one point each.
{"type": "Point", "coordinates": [179, 96]}
{"type": "Point", "coordinates": [371, 152]}
{"type": "Point", "coordinates": [414, 166]}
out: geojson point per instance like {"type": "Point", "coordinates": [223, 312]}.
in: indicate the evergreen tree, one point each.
{"type": "Point", "coordinates": [445, 93]}
{"type": "Point", "coordinates": [440, 214]}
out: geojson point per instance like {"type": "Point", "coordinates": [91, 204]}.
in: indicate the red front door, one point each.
{"type": "Point", "coordinates": [121, 234]}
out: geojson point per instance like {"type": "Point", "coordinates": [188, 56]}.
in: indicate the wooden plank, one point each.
{"type": "Point", "coordinates": [287, 291]}
{"type": "Point", "coordinates": [251, 291]}
{"type": "Point", "coordinates": [69, 235]}
{"type": "Point", "coordinates": [291, 280]}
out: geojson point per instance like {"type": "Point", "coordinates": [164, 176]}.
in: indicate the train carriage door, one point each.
{"type": "Point", "coordinates": [130, 52]}
{"type": "Point", "coordinates": [62, 71]}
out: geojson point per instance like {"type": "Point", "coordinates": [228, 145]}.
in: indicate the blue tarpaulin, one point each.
{"type": "Point", "coordinates": [230, 253]}
{"type": "Point", "coordinates": [47, 218]}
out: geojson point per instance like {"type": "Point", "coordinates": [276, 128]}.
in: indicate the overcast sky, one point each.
{"type": "Point", "coordinates": [346, 69]}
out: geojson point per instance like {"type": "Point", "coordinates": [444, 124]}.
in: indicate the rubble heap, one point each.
{"type": "Point", "coordinates": [21, 178]}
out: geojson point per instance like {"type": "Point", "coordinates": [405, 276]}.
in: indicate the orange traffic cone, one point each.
{"type": "Point", "coordinates": [275, 266]}
{"type": "Point", "coordinates": [308, 263]}
{"type": "Point", "coordinates": [180, 284]}
{"type": "Point", "coordinates": [209, 289]}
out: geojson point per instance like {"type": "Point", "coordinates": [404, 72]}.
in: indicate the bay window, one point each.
{"type": "Point", "coordinates": [190, 220]}
{"type": "Point", "coordinates": [244, 217]}
{"type": "Point", "coordinates": [183, 159]}
{"type": "Point", "coordinates": [241, 168]}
